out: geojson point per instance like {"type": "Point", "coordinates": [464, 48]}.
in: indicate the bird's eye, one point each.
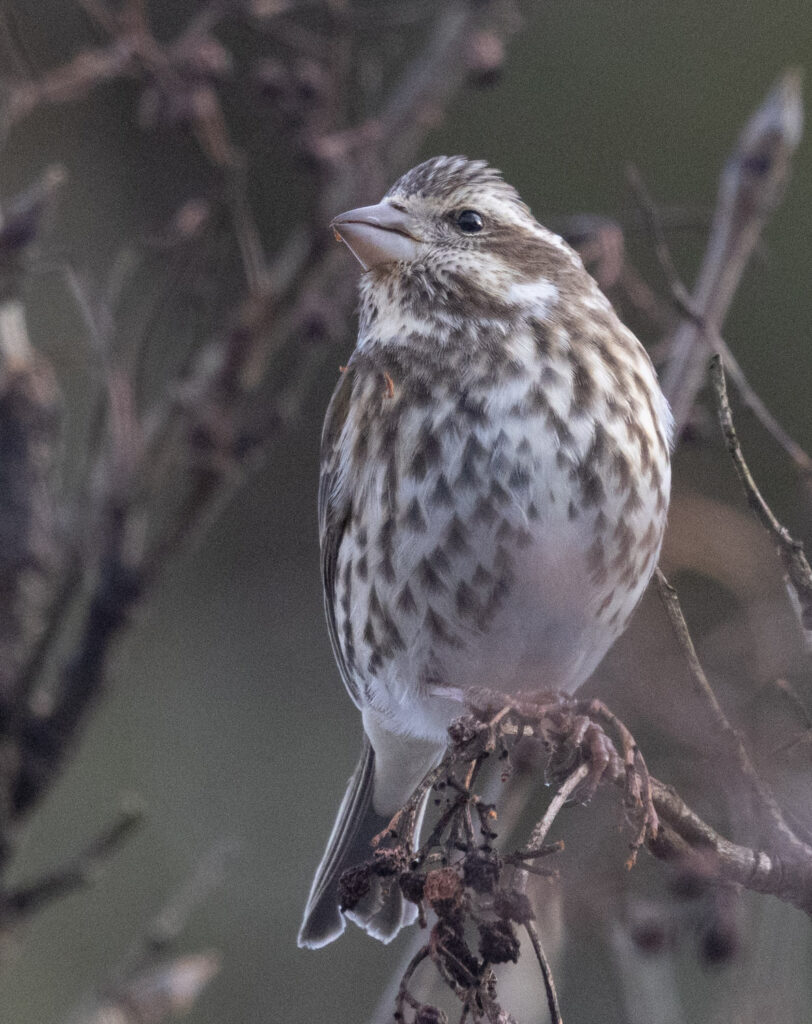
{"type": "Point", "coordinates": [470, 222]}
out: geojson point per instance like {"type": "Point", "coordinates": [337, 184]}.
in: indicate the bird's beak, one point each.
{"type": "Point", "coordinates": [377, 234]}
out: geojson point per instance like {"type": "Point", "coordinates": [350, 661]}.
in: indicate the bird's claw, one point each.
{"type": "Point", "coordinates": [587, 742]}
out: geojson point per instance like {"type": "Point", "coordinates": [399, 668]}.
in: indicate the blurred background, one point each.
{"type": "Point", "coordinates": [223, 710]}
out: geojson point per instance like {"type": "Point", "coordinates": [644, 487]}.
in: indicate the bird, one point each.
{"type": "Point", "coordinates": [494, 487]}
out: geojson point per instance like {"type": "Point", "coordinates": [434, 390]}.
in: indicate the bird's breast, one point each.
{"type": "Point", "coordinates": [505, 520]}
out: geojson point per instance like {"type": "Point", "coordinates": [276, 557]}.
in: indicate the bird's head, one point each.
{"type": "Point", "coordinates": [453, 231]}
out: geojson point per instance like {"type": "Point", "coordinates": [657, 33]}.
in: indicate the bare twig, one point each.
{"type": "Point", "coordinates": [44, 737]}
{"type": "Point", "coordinates": [704, 691]}
{"type": "Point", "coordinates": [534, 844]}
{"type": "Point", "coordinates": [29, 433]}
{"type": "Point", "coordinates": [794, 701]}
{"type": "Point", "coordinates": [76, 873]}
{"type": "Point", "coordinates": [546, 973]}
{"type": "Point", "coordinates": [791, 551]}
{"type": "Point", "coordinates": [404, 996]}
{"type": "Point", "coordinates": [653, 222]}
{"type": "Point", "coordinates": [539, 833]}
{"type": "Point", "coordinates": [751, 187]}
{"type": "Point", "coordinates": [206, 875]}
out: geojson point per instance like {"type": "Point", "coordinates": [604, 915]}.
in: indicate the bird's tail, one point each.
{"type": "Point", "coordinates": [383, 911]}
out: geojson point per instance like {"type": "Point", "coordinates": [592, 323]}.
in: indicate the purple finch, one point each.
{"type": "Point", "coordinates": [494, 485]}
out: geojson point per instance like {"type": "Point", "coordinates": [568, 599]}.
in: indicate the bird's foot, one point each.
{"type": "Point", "coordinates": [584, 740]}
{"type": "Point", "coordinates": [627, 767]}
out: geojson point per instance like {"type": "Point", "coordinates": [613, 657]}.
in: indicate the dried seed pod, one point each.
{"type": "Point", "coordinates": [442, 886]}
{"type": "Point", "coordinates": [513, 905]}
{"type": "Point", "coordinates": [412, 884]}
{"type": "Point", "coordinates": [481, 869]}
{"type": "Point", "coordinates": [353, 885]}
{"type": "Point", "coordinates": [498, 942]}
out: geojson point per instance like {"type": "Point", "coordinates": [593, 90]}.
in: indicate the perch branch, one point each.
{"type": "Point", "coordinates": [477, 887]}
{"type": "Point", "coordinates": [687, 839]}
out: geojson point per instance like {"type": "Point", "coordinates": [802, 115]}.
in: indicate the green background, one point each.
{"type": "Point", "coordinates": [225, 711]}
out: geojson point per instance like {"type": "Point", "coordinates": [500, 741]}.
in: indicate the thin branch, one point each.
{"type": "Point", "coordinates": [539, 834]}
{"type": "Point", "coordinates": [404, 996]}
{"type": "Point", "coordinates": [14, 50]}
{"type": "Point", "coordinates": [791, 551]}
{"type": "Point", "coordinates": [793, 699]}
{"type": "Point", "coordinates": [546, 973]}
{"type": "Point", "coordinates": [656, 230]}
{"type": "Point", "coordinates": [44, 738]}
{"type": "Point", "coordinates": [100, 15]}
{"type": "Point", "coordinates": [76, 873]}
{"type": "Point", "coordinates": [245, 226]}
{"type": "Point", "coordinates": [704, 691]}
{"type": "Point", "coordinates": [424, 89]}
{"type": "Point", "coordinates": [30, 424]}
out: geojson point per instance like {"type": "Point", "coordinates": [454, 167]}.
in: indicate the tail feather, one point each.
{"type": "Point", "coordinates": [383, 912]}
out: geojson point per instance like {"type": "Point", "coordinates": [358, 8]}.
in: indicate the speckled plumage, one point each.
{"type": "Point", "coordinates": [495, 479]}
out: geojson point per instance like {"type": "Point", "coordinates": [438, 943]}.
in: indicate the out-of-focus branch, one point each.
{"type": "Point", "coordinates": [29, 427]}
{"type": "Point", "coordinates": [153, 983]}
{"type": "Point", "coordinates": [751, 186]}
{"type": "Point", "coordinates": [80, 871]}
{"type": "Point", "coordinates": [425, 89]}
{"type": "Point", "coordinates": [29, 432]}
{"type": "Point", "coordinates": [682, 300]}
{"type": "Point", "coordinates": [351, 166]}
{"type": "Point", "coordinates": [176, 77]}
{"type": "Point", "coordinates": [163, 992]}
{"type": "Point", "coordinates": [157, 477]}
{"type": "Point", "coordinates": [44, 738]}
{"type": "Point", "coordinates": [791, 551]}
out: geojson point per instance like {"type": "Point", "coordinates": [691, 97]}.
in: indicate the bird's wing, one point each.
{"type": "Point", "coordinates": [335, 510]}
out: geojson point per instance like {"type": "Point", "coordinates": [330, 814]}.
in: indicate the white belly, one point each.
{"type": "Point", "coordinates": [508, 574]}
